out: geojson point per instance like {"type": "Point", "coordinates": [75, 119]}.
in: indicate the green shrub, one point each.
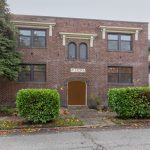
{"type": "Point", "coordinates": [130, 102]}
{"type": "Point", "coordinates": [38, 105]}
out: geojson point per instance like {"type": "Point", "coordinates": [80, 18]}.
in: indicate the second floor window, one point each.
{"type": "Point", "coordinates": [72, 51]}
{"type": "Point", "coordinates": [83, 51]}
{"type": "Point", "coordinates": [77, 52]}
{"type": "Point", "coordinates": [119, 42]}
{"type": "Point", "coordinates": [32, 38]}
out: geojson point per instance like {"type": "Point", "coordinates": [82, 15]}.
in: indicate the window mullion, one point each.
{"type": "Point", "coordinates": [131, 74]}
{"type": "Point", "coordinates": [32, 38]}
{"type": "Point", "coordinates": [118, 74]}
{"type": "Point", "coordinates": [119, 42]}
{"type": "Point", "coordinates": [32, 72]}
{"type": "Point", "coordinates": [76, 52]}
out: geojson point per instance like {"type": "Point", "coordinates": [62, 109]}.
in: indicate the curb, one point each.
{"type": "Point", "coordinates": [61, 129]}
{"type": "Point", "coordinates": [53, 129]}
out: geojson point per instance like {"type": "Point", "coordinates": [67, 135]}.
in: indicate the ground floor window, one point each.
{"type": "Point", "coordinates": [32, 73]}
{"type": "Point", "coordinates": [120, 74]}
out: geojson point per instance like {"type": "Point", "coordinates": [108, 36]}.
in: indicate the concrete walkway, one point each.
{"type": "Point", "coordinates": [92, 116]}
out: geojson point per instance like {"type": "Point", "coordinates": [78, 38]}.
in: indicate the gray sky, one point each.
{"type": "Point", "coordinates": [127, 10]}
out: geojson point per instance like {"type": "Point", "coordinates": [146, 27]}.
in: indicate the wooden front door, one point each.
{"type": "Point", "coordinates": [76, 93]}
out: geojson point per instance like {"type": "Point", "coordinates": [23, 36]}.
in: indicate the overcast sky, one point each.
{"type": "Point", "coordinates": [127, 10]}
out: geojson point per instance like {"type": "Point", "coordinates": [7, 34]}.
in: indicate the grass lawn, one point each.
{"type": "Point", "coordinates": [8, 111]}
{"type": "Point", "coordinates": [59, 122]}
{"type": "Point", "coordinates": [14, 122]}
{"type": "Point", "coordinates": [134, 123]}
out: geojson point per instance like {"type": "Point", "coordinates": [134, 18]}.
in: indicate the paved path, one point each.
{"type": "Point", "coordinates": [132, 139]}
{"type": "Point", "coordinates": [92, 116]}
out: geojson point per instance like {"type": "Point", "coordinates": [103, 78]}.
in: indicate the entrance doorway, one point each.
{"type": "Point", "coordinates": [76, 93]}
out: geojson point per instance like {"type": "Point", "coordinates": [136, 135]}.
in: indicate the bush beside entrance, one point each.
{"type": "Point", "coordinates": [38, 105]}
{"type": "Point", "coordinates": [130, 102]}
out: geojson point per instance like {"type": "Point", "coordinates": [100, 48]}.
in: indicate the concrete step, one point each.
{"type": "Point", "coordinates": [78, 107]}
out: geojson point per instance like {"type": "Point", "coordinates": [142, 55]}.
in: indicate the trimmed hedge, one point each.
{"type": "Point", "coordinates": [38, 105]}
{"type": "Point", "coordinates": [130, 102]}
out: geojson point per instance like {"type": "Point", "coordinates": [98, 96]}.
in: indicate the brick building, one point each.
{"type": "Point", "coordinates": [78, 57]}
{"type": "Point", "coordinates": [149, 59]}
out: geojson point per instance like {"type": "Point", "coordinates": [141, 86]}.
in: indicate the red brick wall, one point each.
{"type": "Point", "coordinates": [58, 67]}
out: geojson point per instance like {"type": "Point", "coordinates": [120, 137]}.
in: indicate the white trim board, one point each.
{"type": "Point", "coordinates": [85, 36]}
{"type": "Point", "coordinates": [39, 25]}
{"type": "Point", "coordinates": [116, 29]}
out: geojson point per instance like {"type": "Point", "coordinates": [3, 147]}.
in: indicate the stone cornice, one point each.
{"type": "Point", "coordinates": [86, 36]}
{"type": "Point", "coordinates": [39, 25]}
{"type": "Point", "coordinates": [116, 29]}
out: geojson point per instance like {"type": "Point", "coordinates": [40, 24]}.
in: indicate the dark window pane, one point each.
{"type": "Point", "coordinates": [32, 38]}
{"type": "Point", "coordinates": [39, 39]}
{"type": "Point", "coordinates": [119, 42]}
{"type": "Point", "coordinates": [125, 74]}
{"type": "Point", "coordinates": [112, 37]}
{"type": "Point", "coordinates": [113, 45]}
{"type": "Point", "coordinates": [113, 77]}
{"type": "Point", "coordinates": [72, 51]}
{"type": "Point", "coordinates": [39, 73]}
{"type": "Point", "coordinates": [125, 42]}
{"type": "Point", "coordinates": [83, 51]}
{"type": "Point", "coordinates": [125, 78]}
{"type": "Point", "coordinates": [113, 74]}
{"type": "Point", "coordinates": [25, 41]}
{"type": "Point", "coordinates": [120, 74]}
{"type": "Point", "coordinates": [39, 76]}
{"type": "Point", "coordinates": [24, 73]}
{"type": "Point", "coordinates": [39, 42]}
{"type": "Point", "coordinates": [125, 70]}
{"type": "Point", "coordinates": [24, 76]}
{"type": "Point", "coordinates": [112, 69]}
{"type": "Point", "coordinates": [25, 32]}
{"type": "Point", "coordinates": [25, 68]}
{"type": "Point", "coordinates": [24, 38]}
{"type": "Point", "coordinates": [32, 73]}
{"type": "Point", "coordinates": [125, 37]}
{"type": "Point", "coordinates": [39, 33]}
{"type": "Point", "coordinates": [39, 67]}
{"type": "Point", "coordinates": [125, 45]}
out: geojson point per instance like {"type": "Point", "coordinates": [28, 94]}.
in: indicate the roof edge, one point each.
{"type": "Point", "coordinates": [81, 18]}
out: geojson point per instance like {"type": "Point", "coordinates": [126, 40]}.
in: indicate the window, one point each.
{"type": "Point", "coordinates": [83, 51]}
{"type": "Point", "coordinates": [77, 52]}
{"type": "Point", "coordinates": [25, 38]}
{"type": "Point", "coordinates": [32, 38]}
{"type": "Point", "coordinates": [72, 51]}
{"type": "Point", "coordinates": [32, 73]}
{"type": "Point", "coordinates": [25, 73]}
{"type": "Point", "coordinates": [120, 74]}
{"type": "Point", "coordinates": [119, 42]}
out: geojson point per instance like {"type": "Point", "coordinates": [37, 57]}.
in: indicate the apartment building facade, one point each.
{"type": "Point", "coordinates": [78, 57]}
{"type": "Point", "coordinates": [149, 59]}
